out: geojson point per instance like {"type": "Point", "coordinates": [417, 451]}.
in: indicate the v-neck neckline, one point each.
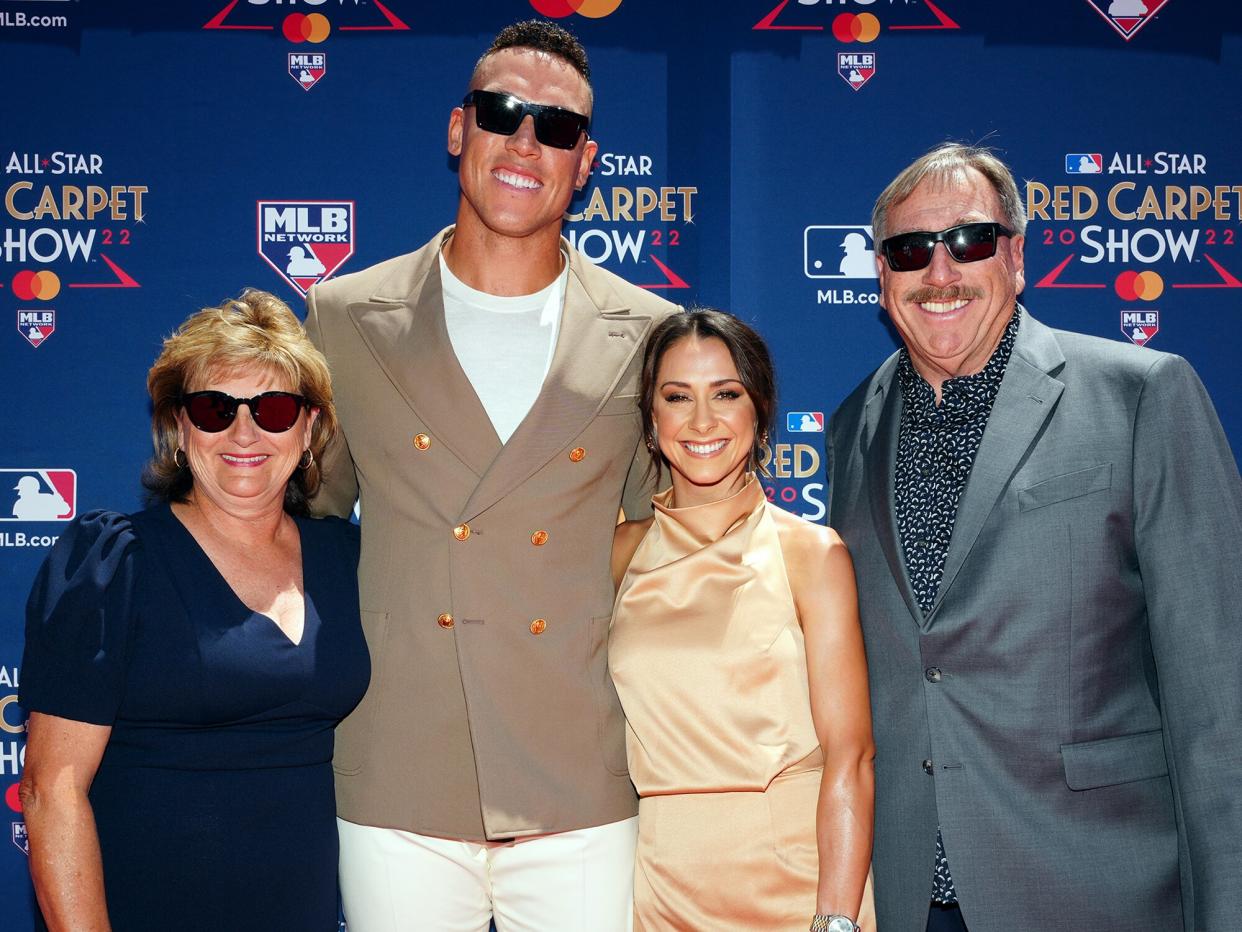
{"type": "Point", "coordinates": [206, 558]}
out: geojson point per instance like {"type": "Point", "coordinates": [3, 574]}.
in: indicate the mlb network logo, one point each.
{"type": "Point", "coordinates": [856, 68]}
{"type": "Point", "coordinates": [307, 68]}
{"type": "Point", "coordinates": [1140, 326]}
{"type": "Point", "coordinates": [38, 494]}
{"type": "Point", "coordinates": [804, 422]}
{"type": "Point", "coordinates": [36, 326]}
{"type": "Point", "coordinates": [838, 251]}
{"type": "Point", "coordinates": [306, 241]}
{"type": "Point", "coordinates": [1127, 16]}
{"type": "Point", "coordinates": [1084, 163]}
{"type": "Point", "coordinates": [20, 838]}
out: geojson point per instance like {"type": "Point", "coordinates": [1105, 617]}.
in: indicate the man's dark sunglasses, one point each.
{"type": "Point", "coordinates": [212, 412]}
{"type": "Point", "coordinates": [970, 242]}
{"type": "Point", "coordinates": [503, 114]}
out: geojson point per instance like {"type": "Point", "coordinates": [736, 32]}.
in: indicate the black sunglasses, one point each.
{"type": "Point", "coordinates": [970, 242]}
{"type": "Point", "coordinates": [212, 412]}
{"type": "Point", "coordinates": [504, 113]}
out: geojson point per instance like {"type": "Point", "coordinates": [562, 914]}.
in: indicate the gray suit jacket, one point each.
{"type": "Point", "coordinates": [1070, 709]}
{"type": "Point", "coordinates": [484, 581]}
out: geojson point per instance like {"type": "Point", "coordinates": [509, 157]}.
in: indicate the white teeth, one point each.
{"type": "Point", "coordinates": [943, 307]}
{"type": "Point", "coordinates": [243, 460]}
{"type": "Point", "coordinates": [704, 449]}
{"type": "Point", "coordinates": [518, 181]}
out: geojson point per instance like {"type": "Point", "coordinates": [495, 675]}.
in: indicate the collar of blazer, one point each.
{"type": "Point", "coordinates": [1028, 394]}
{"type": "Point", "coordinates": [403, 327]}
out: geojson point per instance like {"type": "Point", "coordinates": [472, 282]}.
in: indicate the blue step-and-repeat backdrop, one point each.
{"type": "Point", "coordinates": [157, 157]}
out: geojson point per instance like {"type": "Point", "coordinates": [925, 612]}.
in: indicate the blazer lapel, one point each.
{"type": "Point", "coordinates": [598, 337]}
{"type": "Point", "coordinates": [883, 419]}
{"type": "Point", "coordinates": [1027, 397]}
{"type": "Point", "coordinates": [409, 340]}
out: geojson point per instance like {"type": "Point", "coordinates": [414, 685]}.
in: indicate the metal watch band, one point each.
{"type": "Point", "coordinates": [833, 923]}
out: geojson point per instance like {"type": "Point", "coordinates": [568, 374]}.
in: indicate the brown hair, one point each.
{"type": "Point", "coordinates": [256, 330]}
{"type": "Point", "coordinates": [750, 356]}
{"type": "Point", "coordinates": [944, 163]}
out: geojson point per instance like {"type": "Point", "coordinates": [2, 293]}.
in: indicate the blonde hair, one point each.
{"type": "Point", "coordinates": [255, 330]}
{"type": "Point", "coordinates": [948, 162]}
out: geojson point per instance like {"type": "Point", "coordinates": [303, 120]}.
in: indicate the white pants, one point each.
{"type": "Point", "coordinates": [395, 881]}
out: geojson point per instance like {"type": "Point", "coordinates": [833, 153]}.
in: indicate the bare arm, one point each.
{"type": "Point", "coordinates": [61, 759]}
{"type": "Point", "coordinates": [625, 540]}
{"type": "Point", "coordinates": [822, 577]}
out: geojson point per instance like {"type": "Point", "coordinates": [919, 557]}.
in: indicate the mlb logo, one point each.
{"type": "Point", "coordinates": [1084, 163]}
{"type": "Point", "coordinates": [1140, 326]}
{"type": "Point", "coordinates": [1128, 16]}
{"type": "Point", "coordinates": [20, 839]}
{"type": "Point", "coordinates": [306, 242]}
{"type": "Point", "coordinates": [307, 68]}
{"type": "Point", "coordinates": [38, 494]}
{"type": "Point", "coordinates": [804, 422]}
{"type": "Point", "coordinates": [838, 251]}
{"type": "Point", "coordinates": [856, 68]}
{"type": "Point", "coordinates": [36, 326]}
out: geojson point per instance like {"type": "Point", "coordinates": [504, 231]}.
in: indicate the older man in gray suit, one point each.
{"type": "Point", "coordinates": [1045, 528]}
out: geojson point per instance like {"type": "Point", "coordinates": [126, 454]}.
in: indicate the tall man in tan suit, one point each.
{"type": "Point", "coordinates": [486, 384]}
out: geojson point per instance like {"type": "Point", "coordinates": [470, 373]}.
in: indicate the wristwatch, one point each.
{"type": "Point", "coordinates": [824, 923]}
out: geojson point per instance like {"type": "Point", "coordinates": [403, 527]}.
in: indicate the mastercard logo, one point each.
{"type": "Point", "coordinates": [855, 27]}
{"type": "Point", "coordinates": [12, 799]}
{"type": "Point", "coordinates": [1139, 286]}
{"type": "Point", "coordinates": [556, 9]}
{"type": "Point", "coordinates": [306, 27]}
{"type": "Point", "coordinates": [36, 286]}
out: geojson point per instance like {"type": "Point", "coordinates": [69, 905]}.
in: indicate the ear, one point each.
{"type": "Point", "coordinates": [881, 273]}
{"type": "Point", "coordinates": [585, 163]}
{"type": "Point", "coordinates": [1016, 244]}
{"type": "Point", "coordinates": [456, 128]}
{"type": "Point", "coordinates": [310, 424]}
{"type": "Point", "coordinates": [181, 428]}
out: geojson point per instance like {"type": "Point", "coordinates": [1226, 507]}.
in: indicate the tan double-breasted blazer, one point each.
{"type": "Point", "coordinates": [485, 586]}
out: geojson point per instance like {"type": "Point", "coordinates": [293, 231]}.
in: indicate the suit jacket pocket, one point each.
{"type": "Point", "coordinates": [1125, 759]}
{"type": "Point", "coordinates": [1070, 485]}
{"type": "Point", "coordinates": [619, 404]}
{"type": "Point", "coordinates": [353, 735]}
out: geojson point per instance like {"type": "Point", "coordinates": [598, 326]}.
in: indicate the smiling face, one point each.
{"type": "Point", "coordinates": [951, 315]}
{"type": "Point", "coordinates": [243, 470]}
{"type": "Point", "coordinates": [704, 420]}
{"type": "Point", "coordinates": [514, 186]}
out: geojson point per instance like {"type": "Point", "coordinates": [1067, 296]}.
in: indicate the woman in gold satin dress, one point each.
{"type": "Point", "coordinates": [737, 653]}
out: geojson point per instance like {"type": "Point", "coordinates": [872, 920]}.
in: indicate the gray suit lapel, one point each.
{"type": "Point", "coordinates": [598, 337]}
{"type": "Point", "coordinates": [883, 420]}
{"type": "Point", "coordinates": [410, 343]}
{"type": "Point", "coordinates": [1027, 397]}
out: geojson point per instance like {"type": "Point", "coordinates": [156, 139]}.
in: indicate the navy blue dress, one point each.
{"type": "Point", "coordinates": [214, 800]}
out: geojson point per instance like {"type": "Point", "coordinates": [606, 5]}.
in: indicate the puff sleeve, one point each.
{"type": "Point", "coordinates": [79, 621]}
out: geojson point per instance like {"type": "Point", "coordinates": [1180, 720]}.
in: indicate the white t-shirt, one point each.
{"type": "Point", "coordinates": [504, 345]}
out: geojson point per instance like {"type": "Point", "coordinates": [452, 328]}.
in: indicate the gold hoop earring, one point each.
{"type": "Point", "coordinates": [180, 460]}
{"type": "Point", "coordinates": [307, 460]}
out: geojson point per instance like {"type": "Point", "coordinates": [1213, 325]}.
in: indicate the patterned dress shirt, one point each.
{"type": "Point", "coordinates": [935, 452]}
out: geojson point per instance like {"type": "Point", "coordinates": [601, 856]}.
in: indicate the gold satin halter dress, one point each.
{"type": "Point", "coordinates": [708, 658]}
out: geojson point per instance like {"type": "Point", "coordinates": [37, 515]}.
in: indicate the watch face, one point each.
{"type": "Point", "coordinates": [841, 924]}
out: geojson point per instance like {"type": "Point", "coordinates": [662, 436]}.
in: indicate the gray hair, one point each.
{"type": "Point", "coordinates": [947, 162]}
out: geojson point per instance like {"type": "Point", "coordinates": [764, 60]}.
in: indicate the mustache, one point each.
{"type": "Point", "coordinates": [953, 293]}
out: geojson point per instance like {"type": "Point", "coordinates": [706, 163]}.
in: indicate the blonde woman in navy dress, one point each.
{"type": "Point", "coordinates": [737, 654]}
{"type": "Point", "coordinates": [185, 665]}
